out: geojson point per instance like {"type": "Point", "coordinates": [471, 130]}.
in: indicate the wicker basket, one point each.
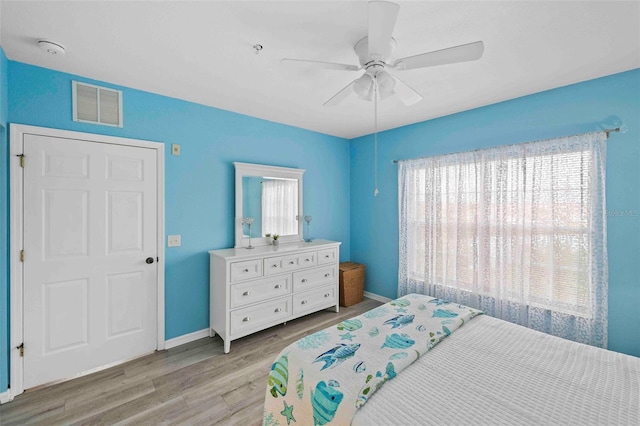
{"type": "Point", "coordinates": [351, 283]}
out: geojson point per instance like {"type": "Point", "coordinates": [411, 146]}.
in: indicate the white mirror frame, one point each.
{"type": "Point", "coordinates": [247, 169]}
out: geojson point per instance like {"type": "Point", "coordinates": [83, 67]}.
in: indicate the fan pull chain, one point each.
{"type": "Point", "coordinates": [375, 136]}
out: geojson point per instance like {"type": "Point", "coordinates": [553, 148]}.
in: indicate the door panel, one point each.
{"type": "Point", "coordinates": [125, 222]}
{"type": "Point", "coordinates": [90, 221]}
{"type": "Point", "coordinates": [66, 232]}
{"type": "Point", "coordinates": [65, 315]}
{"type": "Point", "coordinates": [125, 303]}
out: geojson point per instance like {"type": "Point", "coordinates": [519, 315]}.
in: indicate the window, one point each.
{"type": "Point", "coordinates": [517, 231]}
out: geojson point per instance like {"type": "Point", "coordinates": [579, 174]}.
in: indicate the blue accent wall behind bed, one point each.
{"type": "Point", "coordinates": [597, 104]}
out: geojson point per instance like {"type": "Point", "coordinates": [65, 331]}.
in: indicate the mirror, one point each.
{"type": "Point", "coordinates": [272, 197]}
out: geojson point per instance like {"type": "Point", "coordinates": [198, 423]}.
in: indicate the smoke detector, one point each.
{"type": "Point", "coordinates": [51, 47]}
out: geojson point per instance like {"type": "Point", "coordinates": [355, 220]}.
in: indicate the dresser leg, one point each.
{"type": "Point", "coordinates": [337, 308]}
{"type": "Point", "coordinates": [227, 346]}
{"type": "Point", "coordinates": [212, 333]}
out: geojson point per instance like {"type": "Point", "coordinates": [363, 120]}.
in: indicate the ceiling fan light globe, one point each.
{"type": "Point", "coordinates": [385, 95]}
{"type": "Point", "coordinates": [386, 84]}
{"type": "Point", "coordinates": [362, 86]}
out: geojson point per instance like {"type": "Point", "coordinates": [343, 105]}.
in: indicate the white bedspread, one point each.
{"type": "Point", "coordinates": [492, 372]}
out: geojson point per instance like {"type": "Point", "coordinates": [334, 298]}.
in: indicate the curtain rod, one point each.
{"type": "Point", "coordinates": [606, 131]}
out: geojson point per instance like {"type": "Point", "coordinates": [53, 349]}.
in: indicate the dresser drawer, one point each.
{"type": "Point", "coordinates": [314, 299]}
{"type": "Point", "coordinates": [260, 316]}
{"type": "Point", "coordinates": [303, 280]}
{"type": "Point", "coordinates": [246, 270]}
{"type": "Point", "coordinates": [256, 291]}
{"type": "Point", "coordinates": [280, 264]}
{"type": "Point", "coordinates": [327, 256]}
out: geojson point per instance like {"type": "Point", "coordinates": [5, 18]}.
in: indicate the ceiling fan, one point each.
{"type": "Point", "coordinates": [374, 53]}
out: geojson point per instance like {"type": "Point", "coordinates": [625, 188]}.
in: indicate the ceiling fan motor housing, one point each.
{"type": "Point", "coordinates": [366, 60]}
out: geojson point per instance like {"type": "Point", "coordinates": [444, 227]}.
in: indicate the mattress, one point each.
{"type": "Point", "coordinates": [492, 372]}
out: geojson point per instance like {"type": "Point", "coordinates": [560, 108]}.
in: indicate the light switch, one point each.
{"type": "Point", "coordinates": [175, 150]}
{"type": "Point", "coordinates": [173, 241]}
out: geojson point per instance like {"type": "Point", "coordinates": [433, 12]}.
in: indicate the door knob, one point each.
{"type": "Point", "coordinates": [149, 260]}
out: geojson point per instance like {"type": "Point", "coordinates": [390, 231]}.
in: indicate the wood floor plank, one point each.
{"type": "Point", "coordinates": [192, 384]}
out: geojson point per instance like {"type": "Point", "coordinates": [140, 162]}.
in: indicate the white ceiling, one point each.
{"type": "Point", "coordinates": [201, 51]}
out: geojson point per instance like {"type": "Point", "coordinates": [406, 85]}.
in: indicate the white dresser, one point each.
{"type": "Point", "coordinates": [255, 289]}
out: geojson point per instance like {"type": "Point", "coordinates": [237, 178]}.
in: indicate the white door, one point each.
{"type": "Point", "coordinates": [90, 274]}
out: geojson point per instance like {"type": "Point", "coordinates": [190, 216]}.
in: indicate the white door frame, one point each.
{"type": "Point", "coordinates": [17, 132]}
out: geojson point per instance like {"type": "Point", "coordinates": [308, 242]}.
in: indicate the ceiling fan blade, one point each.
{"type": "Point", "coordinates": [451, 55]}
{"type": "Point", "coordinates": [341, 95]}
{"type": "Point", "coordinates": [382, 19]}
{"type": "Point", "coordinates": [405, 93]}
{"type": "Point", "coordinates": [326, 65]}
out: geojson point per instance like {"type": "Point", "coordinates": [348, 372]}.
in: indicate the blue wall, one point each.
{"type": "Point", "coordinates": [4, 226]}
{"type": "Point", "coordinates": [200, 182]}
{"type": "Point", "coordinates": [596, 104]}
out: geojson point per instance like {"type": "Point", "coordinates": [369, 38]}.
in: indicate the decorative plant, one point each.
{"type": "Point", "coordinates": [276, 236]}
{"type": "Point", "coordinates": [267, 235]}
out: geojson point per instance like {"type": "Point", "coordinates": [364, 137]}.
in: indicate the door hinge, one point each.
{"type": "Point", "coordinates": [21, 156]}
{"type": "Point", "coordinates": [21, 255]}
{"type": "Point", "coordinates": [21, 348]}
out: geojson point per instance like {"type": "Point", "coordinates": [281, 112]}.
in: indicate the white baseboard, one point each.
{"type": "Point", "coordinates": [6, 397]}
{"type": "Point", "coordinates": [377, 297]}
{"type": "Point", "coordinates": [186, 338]}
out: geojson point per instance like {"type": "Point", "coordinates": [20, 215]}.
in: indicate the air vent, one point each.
{"type": "Point", "coordinates": [98, 105]}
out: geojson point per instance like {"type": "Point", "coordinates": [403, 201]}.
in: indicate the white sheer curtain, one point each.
{"type": "Point", "coordinates": [517, 231]}
{"type": "Point", "coordinates": [279, 206]}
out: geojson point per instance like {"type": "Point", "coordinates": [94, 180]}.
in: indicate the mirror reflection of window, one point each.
{"type": "Point", "coordinates": [279, 206]}
{"type": "Point", "coordinates": [252, 204]}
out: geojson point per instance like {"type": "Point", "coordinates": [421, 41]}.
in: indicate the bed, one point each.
{"type": "Point", "coordinates": [483, 371]}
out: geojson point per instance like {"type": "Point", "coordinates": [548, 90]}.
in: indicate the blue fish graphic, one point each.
{"type": "Point", "coordinates": [399, 355]}
{"type": "Point", "coordinates": [403, 303]}
{"type": "Point", "coordinates": [300, 384]}
{"type": "Point", "coordinates": [359, 367]}
{"type": "Point", "coordinates": [374, 332]}
{"type": "Point", "coordinates": [398, 341]}
{"type": "Point", "coordinates": [391, 372]}
{"type": "Point", "coordinates": [444, 313]}
{"type": "Point", "coordinates": [325, 401]}
{"type": "Point", "coordinates": [439, 302]}
{"type": "Point", "coordinates": [400, 321]}
{"type": "Point", "coordinates": [279, 376]}
{"type": "Point", "coordinates": [350, 325]}
{"type": "Point", "coordinates": [338, 354]}
{"type": "Point", "coordinates": [446, 330]}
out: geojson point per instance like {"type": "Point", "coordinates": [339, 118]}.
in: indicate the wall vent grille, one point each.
{"type": "Point", "coordinates": [98, 105]}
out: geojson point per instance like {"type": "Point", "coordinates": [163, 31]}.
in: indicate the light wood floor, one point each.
{"type": "Point", "coordinates": [192, 384]}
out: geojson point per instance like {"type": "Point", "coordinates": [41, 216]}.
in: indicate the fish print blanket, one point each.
{"type": "Point", "coordinates": [325, 377]}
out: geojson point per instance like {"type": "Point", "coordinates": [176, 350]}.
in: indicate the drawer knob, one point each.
{"type": "Point", "coordinates": [291, 263]}
{"type": "Point", "coordinates": [307, 260]}
{"type": "Point", "coordinates": [245, 319]}
{"type": "Point", "coordinates": [246, 270]}
{"type": "Point", "coordinates": [275, 265]}
{"type": "Point", "coordinates": [304, 280]}
{"type": "Point", "coordinates": [327, 275]}
{"type": "Point", "coordinates": [246, 293]}
{"type": "Point", "coordinates": [327, 295]}
{"type": "Point", "coordinates": [304, 302]}
{"type": "Point", "coordinates": [277, 310]}
{"type": "Point", "coordinates": [326, 256]}
{"type": "Point", "coordinates": [277, 286]}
